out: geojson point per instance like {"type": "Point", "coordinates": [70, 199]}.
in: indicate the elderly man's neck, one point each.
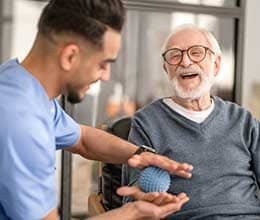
{"type": "Point", "coordinates": [199, 104]}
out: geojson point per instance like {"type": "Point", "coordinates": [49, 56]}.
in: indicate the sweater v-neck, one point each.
{"type": "Point", "coordinates": [192, 124]}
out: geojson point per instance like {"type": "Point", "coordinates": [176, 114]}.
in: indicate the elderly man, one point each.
{"type": "Point", "coordinates": [219, 138]}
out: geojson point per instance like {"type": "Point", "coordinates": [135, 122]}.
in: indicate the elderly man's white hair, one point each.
{"type": "Point", "coordinates": [208, 35]}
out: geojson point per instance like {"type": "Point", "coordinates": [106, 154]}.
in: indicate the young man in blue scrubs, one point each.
{"type": "Point", "coordinates": [76, 42]}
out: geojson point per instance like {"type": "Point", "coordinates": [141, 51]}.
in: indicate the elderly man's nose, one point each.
{"type": "Point", "coordinates": [185, 60]}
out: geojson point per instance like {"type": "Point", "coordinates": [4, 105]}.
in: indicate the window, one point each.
{"type": "Point", "coordinates": [138, 77]}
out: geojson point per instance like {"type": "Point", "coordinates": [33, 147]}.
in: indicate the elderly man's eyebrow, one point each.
{"type": "Point", "coordinates": [110, 60]}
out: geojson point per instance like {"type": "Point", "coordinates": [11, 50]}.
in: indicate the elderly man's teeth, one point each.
{"type": "Point", "coordinates": [189, 75]}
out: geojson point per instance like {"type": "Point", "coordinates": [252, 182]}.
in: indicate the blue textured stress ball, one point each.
{"type": "Point", "coordinates": [154, 179]}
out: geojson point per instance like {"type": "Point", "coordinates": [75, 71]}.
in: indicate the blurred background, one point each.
{"type": "Point", "coordinates": [137, 76]}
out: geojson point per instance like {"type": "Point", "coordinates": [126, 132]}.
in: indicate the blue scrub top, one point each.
{"type": "Point", "coordinates": [31, 129]}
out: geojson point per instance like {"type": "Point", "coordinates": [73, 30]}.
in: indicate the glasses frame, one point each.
{"type": "Point", "coordinates": [187, 50]}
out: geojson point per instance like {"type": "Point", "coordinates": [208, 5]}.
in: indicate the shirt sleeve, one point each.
{"type": "Point", "coordinates": [67, 131]}
{"type": "Point", "coordinates": [138, 135]}
{"type": "Point", "coordinates": [27, 183]}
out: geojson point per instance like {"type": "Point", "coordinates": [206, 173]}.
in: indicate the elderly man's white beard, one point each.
{"type": "Point", "coordinates": [207, 80]}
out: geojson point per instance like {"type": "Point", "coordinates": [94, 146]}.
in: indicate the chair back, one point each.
{"type": "Point", "coordinates": [112, 173]}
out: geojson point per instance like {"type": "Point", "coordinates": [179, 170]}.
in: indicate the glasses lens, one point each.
{"type": "Point", "coordinates": [197, 53]}
{"type": "Point", "coordinates": [173, 56]}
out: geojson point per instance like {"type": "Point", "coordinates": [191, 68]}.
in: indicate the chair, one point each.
{"type": "Point", "coordinates": [95, 204]}
{"type": "Point", "coordinates": [110, 174]}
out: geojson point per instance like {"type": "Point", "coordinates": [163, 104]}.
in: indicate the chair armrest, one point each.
{"type": "Point", "coordinates": [95, 206]}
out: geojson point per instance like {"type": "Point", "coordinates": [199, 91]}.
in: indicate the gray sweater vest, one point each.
{"type": "Point", "coordinates": [225, 153]}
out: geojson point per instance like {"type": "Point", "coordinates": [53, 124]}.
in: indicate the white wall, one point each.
{"type": "Point", "coordinates": [26, 14]}
{"type": "Point", "coordinates": [251, 71]}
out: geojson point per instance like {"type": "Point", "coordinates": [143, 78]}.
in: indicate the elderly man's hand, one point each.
{"type": "Point", "coordinates": [154, 205]}
{"type": "Point", "coordinates": [149, 159]}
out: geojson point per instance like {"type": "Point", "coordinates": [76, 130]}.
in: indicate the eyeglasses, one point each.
{"type": "Point", "coordinates": [196, 54]}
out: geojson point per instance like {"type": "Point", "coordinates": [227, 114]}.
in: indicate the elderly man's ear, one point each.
{"type": "Point", "coordinates": [217, 64]}
{"type": "Point", "coordinates": [165, 68]}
